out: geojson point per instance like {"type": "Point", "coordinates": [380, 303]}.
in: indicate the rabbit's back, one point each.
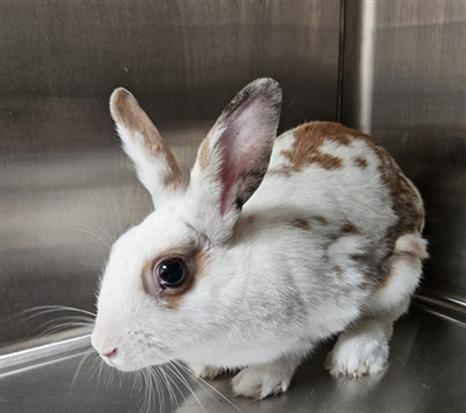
{"type": "Point", "coordinates": [345, 180]}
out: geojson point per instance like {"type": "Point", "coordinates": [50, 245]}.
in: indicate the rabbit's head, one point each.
{"type": "Point", "coordinates": [156, 299]}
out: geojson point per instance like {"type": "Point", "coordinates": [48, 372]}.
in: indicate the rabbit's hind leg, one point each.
{"type": "Point", "coordinates": [364, 347]}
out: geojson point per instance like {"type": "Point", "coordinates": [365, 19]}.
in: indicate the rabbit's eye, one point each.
{"type": "Point", "coordinates": [171, 272]}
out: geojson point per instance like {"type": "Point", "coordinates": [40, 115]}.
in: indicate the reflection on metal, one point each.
{"type": "Point", "coordinates": [455, 309]}
{"type": "Point", "coordinates": [21, 361]}
{"type": "Point", "coordinates": [366, 72]}
{"type": "Point", "coordinates": [425, 375]}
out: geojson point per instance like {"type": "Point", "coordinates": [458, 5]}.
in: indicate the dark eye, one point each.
{"type": "Point", "coordinates": [171, 272]}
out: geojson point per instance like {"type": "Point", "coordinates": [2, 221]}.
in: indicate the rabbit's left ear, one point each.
{"type": "Point", "coordinates": [156, 166]}
{"type": "Point", "coordinates": [233, 159]}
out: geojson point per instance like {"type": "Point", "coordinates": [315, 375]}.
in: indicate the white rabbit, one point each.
{"type": "Point", "coordinates": [274, 245]}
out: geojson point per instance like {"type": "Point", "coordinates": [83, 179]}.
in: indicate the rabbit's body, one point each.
{"type": "Point", "coordinates": [329, 242]}
{"type": "Point", "coordinates": [329, 227]}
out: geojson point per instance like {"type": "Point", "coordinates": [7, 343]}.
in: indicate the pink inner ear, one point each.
{"type": "Point", "coordinates": [244, 142]}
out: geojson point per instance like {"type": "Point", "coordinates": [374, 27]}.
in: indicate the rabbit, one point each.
{"type": "Point", "coordinates": [275, 244]}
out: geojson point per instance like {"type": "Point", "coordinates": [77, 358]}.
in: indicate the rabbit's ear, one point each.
{"type": "Point", "coordinates": [233, 158]}
{"type": "Point", "coordinates": [155, 164]}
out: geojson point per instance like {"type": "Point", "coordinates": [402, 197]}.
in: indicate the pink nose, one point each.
{"type": "Point", "coordinates": [111, 353]}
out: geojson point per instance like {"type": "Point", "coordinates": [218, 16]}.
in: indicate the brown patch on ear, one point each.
{"type": "Point", "coordinates": [360, 162]}
{"type": "Point", "coordinates": [125, 110]}
{"type": "Point", "coordinates": [195, 260]}
{"type": "Point", "coordinates": [301, 223]}
{"type": "Point", "coordinates": [203, 154]}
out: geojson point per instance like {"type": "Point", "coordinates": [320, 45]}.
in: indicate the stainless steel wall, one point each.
{"type": "Point", "coordinates": [405, 82]}
{"type": "Point", "coordinates": [66, 189]}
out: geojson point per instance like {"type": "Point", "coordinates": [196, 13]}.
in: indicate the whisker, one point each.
{"type": "Point", "coordinates": [88, 229]}
{"type": "Point", "coordinates": [147, 391]}
{"type": "Point", "coordinates": [175, 370]}
{"type": "Point", "coordinates": [212, 388]}
{"type": "Point", "coordinates": [63, 322]}
{"type": "Point", "coordinates": [60, 328]}
{"type": "Point", "coordinates": [43, 313]}
{"type": "Point", "coordinates": [175, 385]}
{"type": "Point", "coordinates": [152, 383]}
{"type": "Point", "coordinates": [100, 371]}
{"type": "Point", "coordinates": [159, 388]}
{"type": "Point", "coordinates": [165, 385]}
{"type": "Point", "coordinates": [155, 382]}
{"type": "Point", "coordinates": [95, 367]}
{"type": "Point", "coordinates": [48, 309]}
{"type": "Point", "coordinates": [78, 319]}
{"type": "Point", "coordinates": [61, 307]}
{"type": "Point", "coordinates": [78, 369]}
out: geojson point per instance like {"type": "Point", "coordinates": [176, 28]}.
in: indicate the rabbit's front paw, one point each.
{"type": "Point", "coordinates": [259, 382]}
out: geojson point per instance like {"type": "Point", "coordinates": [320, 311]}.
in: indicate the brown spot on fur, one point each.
{"type": "Point", "coordinates": [126, 111]}
{"type": "Point", "coordinates": [406, 202]}
{"type": "Point", "coordinates": [338, 271]}
{"type": "Point", "coordinates": [349, 228]}
{"type": "Point", "coordinates": [321, 220]}
{"type": "Point", "coordinates": [251, 218]}
{"type": "Point", "coordinates": [301, 223]}
{"type": "Point", "coordinates": [406, 205]}
{"type": "Point", "coordinates": [146, 273]}
{"type": "Point", "coordinates": [195, 261]}
{"type": "Point", "coordinates": [309, 138]}
{"type": "Point", "coordinates": [361, 162]}
{"type": "Point", "coordinates": [415, 247]}
{"type": "Point", "coordinates": [409, 258]}
{"type": "Point", "coordinates": [285, 171]}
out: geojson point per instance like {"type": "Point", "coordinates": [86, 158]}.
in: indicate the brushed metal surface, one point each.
{"type": "Point", "coordinates": [66, 189]}
{"type": "Point", "coordinates": [405, 83]}
{"type": "Point", "coordinates": [426, 374]}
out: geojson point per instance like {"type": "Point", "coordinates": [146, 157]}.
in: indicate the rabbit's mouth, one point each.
{"type": "Point", "coordinates": [126, 366]}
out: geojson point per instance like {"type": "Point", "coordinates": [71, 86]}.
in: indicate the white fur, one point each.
{"type": "Point", "coordinates": [361, 350]}
{"type": "Point", "coordinates": [261, 381]}
{"type": "Point", "coordinates": [269, 290]}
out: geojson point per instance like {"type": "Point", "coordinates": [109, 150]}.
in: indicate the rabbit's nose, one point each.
{"type": "Point", "coordinates": [103, 343]}
{"type": "Point", "coordinates": [110, 353]}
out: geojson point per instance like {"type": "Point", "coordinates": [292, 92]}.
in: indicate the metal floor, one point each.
{"type": "Point", "coordinates": [427, 373]}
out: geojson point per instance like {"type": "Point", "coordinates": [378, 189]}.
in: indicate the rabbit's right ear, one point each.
{"type": "Point", "coordinates": [155, 164]}
{"type": "Point", "coordinates": [233, 159]}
